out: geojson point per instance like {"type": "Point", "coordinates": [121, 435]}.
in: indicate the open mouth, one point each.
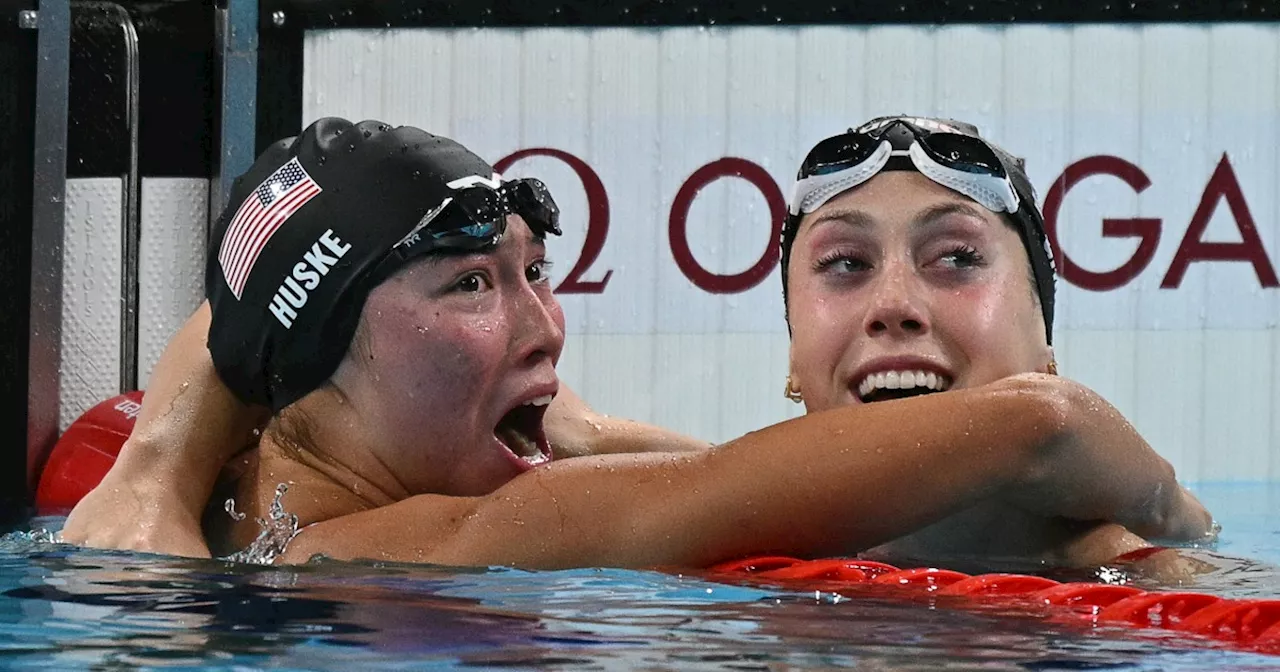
{"type": "Point", "coordinates": [887, 385]}
{"type": "Point", "coordinates": [520, 431]}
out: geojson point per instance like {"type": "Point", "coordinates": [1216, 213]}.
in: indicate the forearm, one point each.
{"type": "Point", "coordinates": [826, 483]}
{"type": "Point", "coordinates": [811, 486]}
{"type": "Point", "coordinates": [190, 424]}
{"type": "Point", "coordinates": [855, 477]}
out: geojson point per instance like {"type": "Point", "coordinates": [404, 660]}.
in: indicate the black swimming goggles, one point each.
{"type": "Point", "coordinates": [943, 153]}
{"type": "Point", "coordinates": [474, 217]}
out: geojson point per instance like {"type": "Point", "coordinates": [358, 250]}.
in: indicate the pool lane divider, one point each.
{"type": "Point", "coordinates": [1247, 625]}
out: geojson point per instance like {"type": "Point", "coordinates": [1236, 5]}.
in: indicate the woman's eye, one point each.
{"type": "Point", "coordinates": [962, 256]}
{"type": "Point", "coordinates": [539, 271]}
{"type": "Point", "coordinates": [471, 283]}
{"type": "Point", "coordinates": [841, 262]}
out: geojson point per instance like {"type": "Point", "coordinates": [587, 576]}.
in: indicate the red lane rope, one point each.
{"type": "Point", "coordinates": [1251, 625]}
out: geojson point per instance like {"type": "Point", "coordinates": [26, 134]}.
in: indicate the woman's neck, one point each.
{"type": "Point", "coordinates": [320, 449]}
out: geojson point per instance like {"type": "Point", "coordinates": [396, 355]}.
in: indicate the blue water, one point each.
{"type": "Point", "coordinates": [68, 608]}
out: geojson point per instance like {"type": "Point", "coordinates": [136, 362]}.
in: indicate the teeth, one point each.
{"type": "Point", "coordinates": [902, 380]}
{"type": "Point", "coordinates": [540, 401]}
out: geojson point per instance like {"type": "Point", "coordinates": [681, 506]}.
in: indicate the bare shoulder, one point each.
{"type": "Point", "coordinates": [575, 429]}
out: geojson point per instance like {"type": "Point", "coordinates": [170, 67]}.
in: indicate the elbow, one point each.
{"type": "Point", "coordinates": [1047, 408]}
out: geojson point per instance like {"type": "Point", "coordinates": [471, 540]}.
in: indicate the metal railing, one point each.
{"type": "Point", "coordinates": [49, 210]}
{"type": "Point", "coordinates": [131, 225]}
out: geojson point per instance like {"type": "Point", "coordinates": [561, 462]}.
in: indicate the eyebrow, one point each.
{"type": "Point", "coordinates": [930, 216]}
{"type": "Point", "coordinates": [933, 213]}
{"type": "Point", "coordinates": [851, 216]}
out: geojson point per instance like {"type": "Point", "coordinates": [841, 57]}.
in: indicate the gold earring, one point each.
{"type": "Point", "coordinates": [1053, 367]}
{"type": "Point", "coordinates": [791, 392]}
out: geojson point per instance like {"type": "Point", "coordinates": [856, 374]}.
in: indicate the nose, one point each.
{"type": "Point", "coordinates": [896, 309]}
{"type": "Point", "coordinates": [539, 332]}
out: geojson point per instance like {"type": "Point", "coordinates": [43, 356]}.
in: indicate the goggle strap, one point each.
{"type": "Point", "coordinates": [818, 189]}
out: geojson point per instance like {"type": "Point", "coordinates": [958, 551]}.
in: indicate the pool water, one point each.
{"type": "Point", "coordinates": [67, 608]}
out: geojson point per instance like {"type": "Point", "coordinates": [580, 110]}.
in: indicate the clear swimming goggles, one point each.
{"type": "Point", "coordinates": [961, 162]}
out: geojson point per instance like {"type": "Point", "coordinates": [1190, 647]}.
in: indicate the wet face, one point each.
{"type": "Point", "coordinates": [454, 365]}
{"type": "Point", "coordinates": [901, 287]}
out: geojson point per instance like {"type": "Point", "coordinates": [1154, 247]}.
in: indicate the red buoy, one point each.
{"type": "Point", "coordinates": [85, 452]}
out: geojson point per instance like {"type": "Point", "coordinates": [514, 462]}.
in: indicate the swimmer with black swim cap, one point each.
{"type": "Point", "coordinates": [366, 274]}
{"type": "Point", "coordinates": [915, 261]}
{"type": "Point", "coordinates": [309, 254]}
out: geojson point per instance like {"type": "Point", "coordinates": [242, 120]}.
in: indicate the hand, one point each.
{"type": "Point", "coordinates": [1188, 521]}
{"type": "Point", "coordinates": [129, 512]}
{"type": "Point", "coordinates": [995, 535]}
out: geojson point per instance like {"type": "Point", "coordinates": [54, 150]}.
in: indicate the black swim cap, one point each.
{"type": "Point", "coordinates": [289, 260]}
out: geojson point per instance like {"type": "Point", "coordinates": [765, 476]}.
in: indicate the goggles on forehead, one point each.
{"type": "Point", "coordinates": [474, 218]}
{"type": "Point", "coordinates": [960, 162]}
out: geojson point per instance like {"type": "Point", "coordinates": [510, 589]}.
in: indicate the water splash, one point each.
{"type": "Point", "coordinates": [45, 536]}
{"type": "Point", "coordinates": [278, 530]}
{"type": "Point", "coordinates": [230, 506]}
{"type": "Point", "coordinates": [23, 539]}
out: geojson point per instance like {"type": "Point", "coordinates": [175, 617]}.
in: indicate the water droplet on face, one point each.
{"type": "Point", "coordinates": [322, 158]}
{"type": "Point", "coordinates": [367, 134]}
{"type": "Point", "coordinates": [417, 174]}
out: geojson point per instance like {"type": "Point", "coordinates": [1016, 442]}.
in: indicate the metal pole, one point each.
{"type": "Point", "coordinates": [131, 231]}
{"type": "Point", "coordinates": [238, 54]}
{"type": "Point", "coordinates": [49, 191]}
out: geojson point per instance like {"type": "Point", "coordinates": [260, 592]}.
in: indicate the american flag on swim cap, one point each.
{"type": "Point", "coordinates": [259, 217]}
